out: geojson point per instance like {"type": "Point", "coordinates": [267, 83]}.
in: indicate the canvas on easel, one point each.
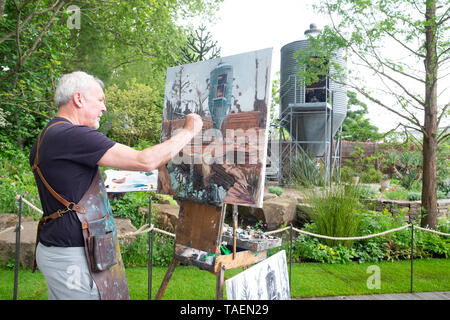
{"type": "Point", "coordinates": [226, 162]}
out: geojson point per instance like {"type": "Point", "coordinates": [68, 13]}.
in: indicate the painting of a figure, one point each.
{"type": "Point", "coordinates": [267, 280]}
{"type": "Point", "coordinates": [226, 162]}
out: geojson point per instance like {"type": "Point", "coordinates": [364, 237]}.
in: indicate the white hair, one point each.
{"type": "Point", "coordinates": [77, 81]}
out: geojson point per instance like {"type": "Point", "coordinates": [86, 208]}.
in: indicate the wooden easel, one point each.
{"type": "Point", "coordinates": [199, 232]}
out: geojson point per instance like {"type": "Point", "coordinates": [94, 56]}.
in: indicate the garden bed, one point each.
{"type": "Point", "coordinates": [408, 207]}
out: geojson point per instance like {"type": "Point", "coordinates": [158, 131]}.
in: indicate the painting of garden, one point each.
{"type": "Point", "coordinates": [226, 162]}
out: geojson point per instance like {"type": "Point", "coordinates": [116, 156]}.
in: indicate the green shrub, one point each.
{"type": "Point", "coordinates": [441, 195]}
{"type": "Point", "coordinates": [371, 222]}
{"type": "Point", "coordinates": [413, 196]}
{"type": "Point", "coordinates": [309, 249]}
{"type": "Point", "coordinates": [398, 193]}
{"type": "Point", "coordinates": [366, 192]}
{"type": "Point", "coordinates": [432, 245]}
{"type": "Point", "coordinates": [134, 114]}
{"type": "Point", "coordinates": [334, 211]}
{"type": "Point", "coordinates": [276, 190]}
{"type": "Point", "coordinates": [16, 178]}
{"type": "Point", "coordinates": [390, 247]}
{"type": "Point", "coordinates": [372, 175]}
{"type": "Point", "coordinates": [443, 224]}
{"type": "Point", "coordinates": [347, 173]}
{"type": "Point", "coordinates": [136, 254]}
{"type": "Point", "coordinates": [444, 188]}
{"type": "Point", "coordinates": [395, 193]}
{"type": "Point", "coordinates": [127, 207]}
{"type": "Point", "coordinates": [416, 186]}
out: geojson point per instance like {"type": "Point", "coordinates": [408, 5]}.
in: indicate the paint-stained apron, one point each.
{"type": "Point", "coordinates": [101, 243]}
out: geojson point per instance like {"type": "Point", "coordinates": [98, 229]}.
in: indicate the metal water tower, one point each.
{"type": "Point", "coordinates": [311, 114]}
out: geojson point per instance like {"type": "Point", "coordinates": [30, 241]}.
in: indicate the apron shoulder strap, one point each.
{"type": "Point", "coordinates": [35, 168]}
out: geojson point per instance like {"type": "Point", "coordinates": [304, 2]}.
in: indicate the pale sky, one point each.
{"type": "Point", "coordinates": [247, 25]}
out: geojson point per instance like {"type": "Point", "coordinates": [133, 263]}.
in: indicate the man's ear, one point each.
{"type": "Point", "coordinates": [78, 99]}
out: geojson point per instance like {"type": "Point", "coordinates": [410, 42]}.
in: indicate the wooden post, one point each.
{"type": "Point", "coordinates": [235, 225]}
{"type": "Point", "coordinates": [219, 283]}
{"type": "Point", "coordinates": [166, 279]}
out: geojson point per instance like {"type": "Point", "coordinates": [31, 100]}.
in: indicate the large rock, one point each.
{"type": "Point", "coordinates": [27, 244]}
{"type": "Point", "coordinates": [8, 220]}
{"type": "Point", "coordinates": [167, 215]}
{"type": "Point", "coordinates": [28, 239]}
{"type": "Point", "coordinates": [276, 210]}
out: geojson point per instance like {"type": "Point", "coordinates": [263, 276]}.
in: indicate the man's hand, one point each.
{"type": "Point", "coordinates": [193, 123]}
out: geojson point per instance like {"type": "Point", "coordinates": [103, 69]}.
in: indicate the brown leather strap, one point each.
{"type": "Point", "coordinates": [38, 146]}
{"type": "Point", "coordinates": [43, 220]}
{"type": "Point", "coordinates": [35, 167]}
{"type": "Point", "coordinates": [67, 204]}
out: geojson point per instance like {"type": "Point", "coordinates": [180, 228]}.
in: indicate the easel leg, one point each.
{"type": "Point", "coordinates": [219, 283]}
{"type": "Point", "coordinates": [166, 279]}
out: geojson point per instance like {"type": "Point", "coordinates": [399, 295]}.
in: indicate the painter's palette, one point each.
{"type": "Point", "coordinates": [250, 239]}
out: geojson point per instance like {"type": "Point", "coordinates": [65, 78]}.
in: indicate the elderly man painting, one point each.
{"type": "Point", "coordinates": [65, 159]}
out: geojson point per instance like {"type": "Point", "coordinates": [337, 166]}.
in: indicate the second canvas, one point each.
{"type": "Point", "coordinates": [226, 162]}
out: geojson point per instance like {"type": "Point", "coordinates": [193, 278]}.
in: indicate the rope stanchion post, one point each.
{"type": "Point", "coordinates": [150, 249]}
{"type": "Point", "coordinates": [17, 257]}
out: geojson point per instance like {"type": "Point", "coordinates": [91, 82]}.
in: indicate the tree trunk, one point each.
{"type": "Point", "coordinates": [429, 186]}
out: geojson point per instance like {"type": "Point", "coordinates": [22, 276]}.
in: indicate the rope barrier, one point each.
{"type": "Point", "coordinates": [352, 238]}
{"type": "Point", "coordinates": [147, 228]}
{"type": "Point", "coordinates": [32, 206]}
{"type": "Point", "coordinates": [433, 231]}
{"type": "Point", "coordinates": [277, 231]}
{"type": "Point", "coordinates": [143, 229]}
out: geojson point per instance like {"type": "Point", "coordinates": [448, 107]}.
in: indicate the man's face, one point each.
{"type": "Point", "coordinates": [94, 106]}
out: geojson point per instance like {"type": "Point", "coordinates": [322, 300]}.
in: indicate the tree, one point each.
{"type": "Point", "coordinates": [33, 39]}
{"type": "Point", "coordinates": [134, 39]}
{"type": "Point", "coordinates": [115, 40]}
{"type": "Point", "coordinates": [133, 116]}
{"type": "Point", "coordinates": [275, 102]}
{"type": "Point", "coordinates": [418, 36]}
{"type": "Point", "coordinates": [356, 127]}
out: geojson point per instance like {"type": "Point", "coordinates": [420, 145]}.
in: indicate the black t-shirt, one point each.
{"type": "Point", "coordinates": [68, 159]}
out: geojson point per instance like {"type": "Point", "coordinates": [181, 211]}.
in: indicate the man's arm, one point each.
{"type": "Point", "coordinates": [123, 157]}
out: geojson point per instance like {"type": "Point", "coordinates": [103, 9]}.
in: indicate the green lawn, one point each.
{"type": "Point", "coordinates": [308, 280]}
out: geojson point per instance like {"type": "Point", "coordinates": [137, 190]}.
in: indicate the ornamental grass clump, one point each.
{"type": "Point", "coordinates": [335, 211]}
{"type": "Point", "coordinates": [304, 171]}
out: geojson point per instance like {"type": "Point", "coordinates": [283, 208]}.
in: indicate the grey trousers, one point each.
{"type": "Point", "coordinates": [66, 272]}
